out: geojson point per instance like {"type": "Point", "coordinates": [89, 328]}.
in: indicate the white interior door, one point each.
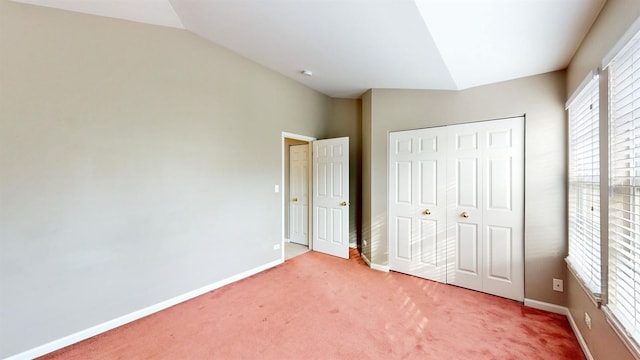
{"type": "Point", "coordinates": [464, 214]}
{"type": "Point", "coordinates": [299, 194]}
{"type": "Point", "coordinates": [503, 214]}
{"type": "Point", "coordinates": [331, 196]}
{"type": "Point", "coordinates": [417, 203]}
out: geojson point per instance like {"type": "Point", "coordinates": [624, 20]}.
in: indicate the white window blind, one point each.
{"type": "Point", "coordinates": [584, 185]}
{"type": "Point", "coordinates": [624, 201]}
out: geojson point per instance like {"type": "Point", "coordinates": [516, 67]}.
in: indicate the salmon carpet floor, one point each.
{"type": "Point", "coordinates": [317, 306]}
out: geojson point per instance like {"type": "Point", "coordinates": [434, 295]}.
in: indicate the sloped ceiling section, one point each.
{"type": "Point", "coordinates": [155, 12]}
{"type": "Point", "coordinates": [483, 42]}
{"type": "Point", "coordinates": [350, 46]}
{"type": "Point", "coordinates": [354, 45]}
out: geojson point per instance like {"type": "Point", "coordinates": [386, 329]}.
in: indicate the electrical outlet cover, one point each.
{"type": "Point", "coordinates": [558, 285]}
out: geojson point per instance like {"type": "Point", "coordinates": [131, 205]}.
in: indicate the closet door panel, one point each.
{"type": "Point", "coordinates": [503, 214]}
{"type": "Point", "coordinates": [402, 200]}
{"type": "Point", "coordinates": [404, 234]}
{"type": "Point", "coordinates": [428, 234]}
{"type": "Point", "coordinates": [417, 206]}
{"type": "Point", "coordinates": [464, 206]}
{"type": "Point", "coordinates": [467, 245]}
{"type": "Point", "coordinates": [499, 244]}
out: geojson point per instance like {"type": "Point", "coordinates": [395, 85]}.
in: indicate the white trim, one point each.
{"type": "Point", "coordinates": [365, 258]}
{"type": "Point", "coordinates": [378, 267]}
{"type": "Point", "coordinates": [562, 310]}
{"type": "Point", "coordinates": [541, 305]}
{"type": "Point", "coordinates": [619, 330]}
{"type": "Point", "coordinates": [297, 137]}
{"type": "Point", "coordinates": [122, 320]}
{"type": "Point", "coordinates": [596, 300]}
{"type": "Point", "coordinates": [622, 43]}
{"type": "Point", "coordinates": [288, 135]}
{"type": "Point", "coordinates": [592, 75]}
{"type": "Point", "coordinates": [383, 268]}
{"type": "Point", "coordinates": [576, 332]}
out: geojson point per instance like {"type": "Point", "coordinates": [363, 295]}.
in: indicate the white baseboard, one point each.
{"type": "Point", "coordinates": [372, 265]}
{"type": "Point", "coordinates": [562, 310]}
{"type": "Point", "coordinates": [541, 305]}
{"type": "Point", "coordinates": [576, 331]}
{"type": "Point", "coordinates": [365, 258]}
{"type": "Point", "coordinates": [379, 267]}
{"type": "Point", "coordinates": [112, 324]}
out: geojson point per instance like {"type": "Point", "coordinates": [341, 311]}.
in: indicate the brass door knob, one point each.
{"type": "Point", "coordinates": [344, 203]}
{"type": "Point", "coordinates": [427, 212]}
{"type": "Point", "coordinates": [294, 199]}
{"type": "Point", "coordinates": [464, 214]}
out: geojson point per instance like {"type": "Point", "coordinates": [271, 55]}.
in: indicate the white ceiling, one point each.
{"type": "Point", "coordinates": [355, 45]}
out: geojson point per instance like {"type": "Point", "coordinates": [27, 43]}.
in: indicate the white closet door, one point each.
{"type": "Point", "coordinates": [417, 206]}
{"type": "Point", "coordinates": [486, 207]}
{"type": "Point", "coordinates": [504, 208]}
{"type": "Point", "coordinates": [456, 205]}
{"type": "Point", "coordinates": [464, 205]}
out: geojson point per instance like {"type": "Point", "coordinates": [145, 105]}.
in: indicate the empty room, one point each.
{"type": "Point", "coordinates": [322, 179]}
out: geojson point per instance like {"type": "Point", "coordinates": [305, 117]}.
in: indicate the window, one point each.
{"type": "Point", "coordinates": [584, 185]}
{"type": "Point", "coordinates": [624, 201]}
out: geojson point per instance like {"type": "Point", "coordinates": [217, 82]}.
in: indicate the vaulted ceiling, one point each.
{"type": "Point", "coordinates": [354, 45]}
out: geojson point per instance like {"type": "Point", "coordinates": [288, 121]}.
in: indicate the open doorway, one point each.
{"type": "Point", "coordinates": [296, 194]}
{"type": "Point", "coordinates": [325, 195]}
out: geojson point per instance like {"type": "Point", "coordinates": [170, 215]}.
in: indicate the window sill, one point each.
{"type": "Point", "coordinates": [595, 298]}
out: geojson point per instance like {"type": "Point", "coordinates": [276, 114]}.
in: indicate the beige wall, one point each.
{"type": "Point", "coordinates": [346, 120]}
{"type": "Point", "coordinates": [137, 163]}
{"type": "Point", "coordinates": [613, 21]}
{"type": "Point", "coordinates": [602, 341]}
{"type": "Point", "coordinates": [541, 98]}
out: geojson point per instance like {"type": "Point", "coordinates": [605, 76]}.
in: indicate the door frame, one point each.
{"type": "Point", "coordinates": [283, 190]}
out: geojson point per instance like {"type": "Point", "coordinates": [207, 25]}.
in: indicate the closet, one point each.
{"type": "Point", "coordinates": [456, 205]}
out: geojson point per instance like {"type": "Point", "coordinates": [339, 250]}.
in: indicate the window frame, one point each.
{"type": "Point", "coordinates": [624, 183]}
{"type": "Point", "coordinates": [583, 185]}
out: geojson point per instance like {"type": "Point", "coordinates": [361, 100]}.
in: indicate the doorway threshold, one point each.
{"type": "Point", "coordinates": [292, 250]}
